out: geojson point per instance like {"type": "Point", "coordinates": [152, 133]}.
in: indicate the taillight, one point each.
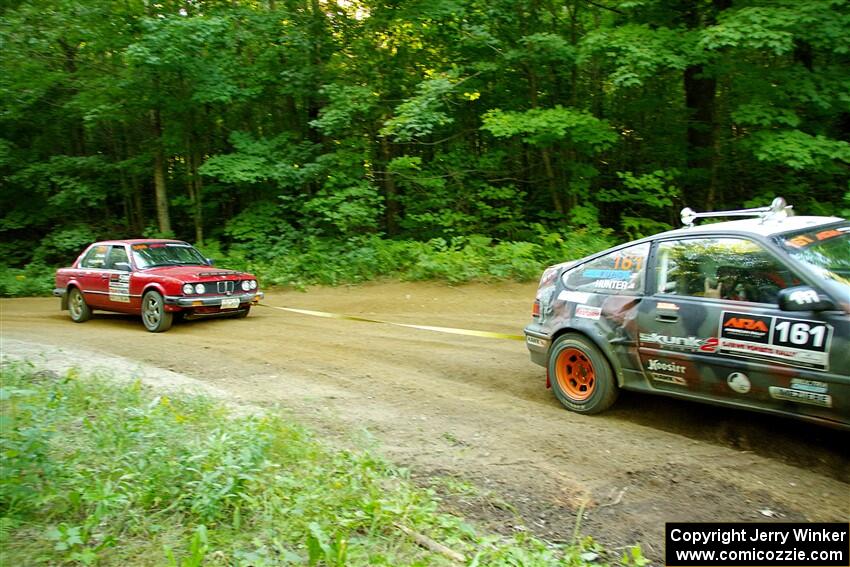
{"type": "Point", "coordinates": [535, 309]}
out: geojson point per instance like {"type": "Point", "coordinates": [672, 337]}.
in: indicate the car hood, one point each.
{"type": "Point", "coordinates": [196, 273]}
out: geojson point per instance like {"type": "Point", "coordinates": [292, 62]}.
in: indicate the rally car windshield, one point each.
{"type": "Point", "coordinates": [827, 252]}
{"type": "Point", "coordinates": [166, 254]}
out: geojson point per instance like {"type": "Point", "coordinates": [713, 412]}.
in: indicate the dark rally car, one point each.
{"type": "Point", "coordinates": [749, 313]}
{"type": "Point", "coordinates": [154, 279]}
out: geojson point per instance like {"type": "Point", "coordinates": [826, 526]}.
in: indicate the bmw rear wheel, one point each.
{"type": "Point", "coordinates": [154, 315]}
{"type": "Point", "coordinates": [77, 306]}
{"type": "Point", "coordinates": [581, 376]}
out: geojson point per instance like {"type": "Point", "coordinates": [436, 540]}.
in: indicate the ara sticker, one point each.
{"type": "Point", "coordinates": [588, 312]}
{"type": "Point", "coordinates": [796, 342]}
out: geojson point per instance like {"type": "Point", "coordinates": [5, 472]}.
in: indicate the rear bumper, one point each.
{"type": "Point", "coordinates": [538, 344]}
{"type": "Point", "coordinates": [250, 298]}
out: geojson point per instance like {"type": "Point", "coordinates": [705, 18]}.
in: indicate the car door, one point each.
{"type": "Point", "coordinates": [712, 328]}
{"type": "Point", "coordinates": [93, 277]}
{"type": "Point", "coordinates": [118, 275]}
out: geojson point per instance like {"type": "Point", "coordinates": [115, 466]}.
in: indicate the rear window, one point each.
{"type": "Point", "coordinates": [620, 272]}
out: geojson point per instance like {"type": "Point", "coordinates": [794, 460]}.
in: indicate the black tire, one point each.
{"type": "Point", "coordinates": [242, 313]}
{"type": "Point", "coordinates": [77, 307]}
{"type": "Point", "coordinates": [154, 315]}
{"type": "Point", "coordinates": [580, 375]}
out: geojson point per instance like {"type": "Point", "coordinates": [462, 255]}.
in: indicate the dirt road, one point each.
{"type": "Point", "coordinates": [471, 416]}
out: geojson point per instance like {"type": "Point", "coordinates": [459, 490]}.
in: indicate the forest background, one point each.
{"type": "Point", "coordinates": [329, 141]}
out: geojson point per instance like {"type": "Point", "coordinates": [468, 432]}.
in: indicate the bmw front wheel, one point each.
{"type": "Point", "coordinates": [154, 315]}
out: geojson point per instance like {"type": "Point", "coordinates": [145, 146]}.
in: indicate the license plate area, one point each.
{"type": "Point", "coordinates": [230, 303]}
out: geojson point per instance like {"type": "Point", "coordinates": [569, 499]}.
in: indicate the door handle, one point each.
{"type": "Point", "coordinates": [667, 318]}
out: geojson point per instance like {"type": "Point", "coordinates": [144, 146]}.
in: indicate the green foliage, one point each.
{"type": "Point", "coordinates": [346, 106]}
{"type": "Point", "coordinates": [647, 195]}
{"type": "Point", "coordinates": [99, 472]}
{"type": "Point", "coordinates": [63, 245]}
{"type": "Point", "coordinates": [421, 114]}
{"type": "Point", "coordinates": [254, 160]}
{"type": "Point", "coordinates": [32, 280]}
{"type": "Point", "coordinates": [799, 150]}
{"type": "Point", "coordinates": [420, 121]}
{"type": "Point", "coordinates": [543, 127]}
{"type": "Point", "coordinates": [638, 52]}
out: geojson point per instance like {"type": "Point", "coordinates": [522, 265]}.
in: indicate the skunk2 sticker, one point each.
{"type": "Point", "coordinates": [795, 342]}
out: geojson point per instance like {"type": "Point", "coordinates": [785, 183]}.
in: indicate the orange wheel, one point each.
{"type": "Point", "coordinates": [575, 375]}
{"type": "Point", "coordinates": [583, 379]}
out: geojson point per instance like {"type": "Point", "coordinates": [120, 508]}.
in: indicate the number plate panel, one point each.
{"type": "Point", "coordinates": [230, 303]}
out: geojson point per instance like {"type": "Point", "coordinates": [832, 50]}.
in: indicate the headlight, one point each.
{"type": "Point", "coordinates": [199, 288]}
{"type": "Point", "coordinates": [253, 284]}
{"type": "Point", "coordinates": [188, 289]}
{"type": "Point", "coordinates": [246, 285]}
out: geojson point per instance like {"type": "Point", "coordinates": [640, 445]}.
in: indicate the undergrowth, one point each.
{"type": "Point", "coordinates": [96, 472]}
{"type": "Point", "coordinates": [315, 260]}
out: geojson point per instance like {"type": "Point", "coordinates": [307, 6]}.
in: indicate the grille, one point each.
{"type": "Point", "coordinates": [226, 287]}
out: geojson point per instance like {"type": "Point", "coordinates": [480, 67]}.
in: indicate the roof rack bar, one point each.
{"type": "Point", "coordinates": [778, 208]}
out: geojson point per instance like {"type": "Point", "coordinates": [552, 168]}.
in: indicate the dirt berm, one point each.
{"type": "Point", "coordinates": [471, 416]}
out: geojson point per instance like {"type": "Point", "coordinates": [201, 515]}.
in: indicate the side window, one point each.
{"type": "Point", "coordinates": [621, 272]}
{"type": "Point", "coordinates": [118, 254]}
{"type": "Point", "coordinates": [721, 268]}
{"type": "Point", "coordinates": [95, 258]}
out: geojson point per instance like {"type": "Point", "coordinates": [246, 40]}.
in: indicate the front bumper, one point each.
{"type": "Point", "coordinates": [538, 344]}
{"type": "Point", "coordinates": [59, 291]}
{"type": "Point", "coordinates": [250, 298]}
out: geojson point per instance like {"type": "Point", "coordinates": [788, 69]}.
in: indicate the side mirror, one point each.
{"type": "Point", "coordinates": [803, 298]}
{"type": "Point", "coordinates": [210, 261]}
{"type": "Point", "coordinates": [123, 266]}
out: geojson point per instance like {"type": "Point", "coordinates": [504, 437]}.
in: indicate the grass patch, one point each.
{"type": "Point", "coordinates": [98, 472]}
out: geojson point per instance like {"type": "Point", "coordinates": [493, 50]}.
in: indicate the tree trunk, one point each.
{"type": "Point", "coordinates": [162, 215]}
{"type": "Point", "coordinates": [700, 91]}
{"type": "Point", "coordinates": [557, 202]}
{"type": "Point", "coordinates": [391, 212]}
{"type": "Point", "coordinates": [699, 99]}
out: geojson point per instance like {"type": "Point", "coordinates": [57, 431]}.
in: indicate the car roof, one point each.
{"type": "Point", "coordinates": [755, 226]}
{"type": "Point", "coordinates": [139, 241]}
